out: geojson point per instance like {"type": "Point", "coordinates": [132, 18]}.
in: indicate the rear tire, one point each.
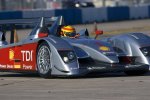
{"type": "Point", "coordinates": [44, 60]}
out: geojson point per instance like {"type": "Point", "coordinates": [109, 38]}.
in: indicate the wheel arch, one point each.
{"type": "Point", "coordinates": [41, 41]}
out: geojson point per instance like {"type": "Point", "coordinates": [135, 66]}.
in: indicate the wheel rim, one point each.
{"type": "Point", "coordinates": [43, 59]}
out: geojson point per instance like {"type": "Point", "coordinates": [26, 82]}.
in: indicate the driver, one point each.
{"type": "Point", "coordinates": [69, 31]}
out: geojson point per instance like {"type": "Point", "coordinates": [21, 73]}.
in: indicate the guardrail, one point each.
{"type": "Point", "coordinates": [84, 15]}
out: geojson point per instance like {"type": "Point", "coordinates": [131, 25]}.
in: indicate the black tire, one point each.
{"type": "Point", "coordinates": [44, 60]}
{"type": "Point", "coordinates": [136, 72]}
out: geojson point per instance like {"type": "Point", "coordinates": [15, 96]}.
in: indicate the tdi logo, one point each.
{"type": "Point", "coordinates": [27, 55]}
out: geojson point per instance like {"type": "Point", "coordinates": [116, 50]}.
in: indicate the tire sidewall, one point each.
{"type": "Point", "coordinates": [48, 73]}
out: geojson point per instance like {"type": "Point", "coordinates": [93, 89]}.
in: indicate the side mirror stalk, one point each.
{"type": "Point", "coordinates": [98, 32]}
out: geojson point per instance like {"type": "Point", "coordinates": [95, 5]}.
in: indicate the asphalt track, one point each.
{"type": "Point", "coordinates": [112, 86]}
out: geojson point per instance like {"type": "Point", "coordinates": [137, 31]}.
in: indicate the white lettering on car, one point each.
{"type": "Point", "coordinates": [10, 66]}
{"type": "Point", "coordinates": [27, 55]}
{"type": "Point", "coordinates": [27, 66]}
{"type": "Point", "coordinates": [2, 66]}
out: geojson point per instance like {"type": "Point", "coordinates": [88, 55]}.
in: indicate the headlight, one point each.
{"type": "Point", "coordinates": [67, 56]}
{"type": "Point", "coordinates": [145, 51]}
{"type": "Point", "coordinates": [65, 59]}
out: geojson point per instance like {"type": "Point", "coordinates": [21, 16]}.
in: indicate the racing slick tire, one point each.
{"type": "Point", "coordinates": [136, 72]}
{"type": "Point", "coordinates": [44, 60]}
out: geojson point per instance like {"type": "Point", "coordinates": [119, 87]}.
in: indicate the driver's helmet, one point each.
{"type": "Point", "coordinates": [68, 31]}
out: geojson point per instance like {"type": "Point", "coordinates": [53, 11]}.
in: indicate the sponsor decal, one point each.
{"type": "Point", "coordinates": [11, 54]}
{"type": "Point", "coordinates": [3, 66]}
{"type": "Point", "coordinates": [6, 66]}
{"type": "Point", "coordinates": [27, 55]}
{"type": "Point", "coordinates": [104, 48]}
{"type": "Point", "coordinates": [17, 66]}
{"type": "Point", "coordinates": [10, 66]}
{"type": "Point", "coordinates": [27, 67]}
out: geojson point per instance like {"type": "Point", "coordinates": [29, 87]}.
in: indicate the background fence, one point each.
{"type": "Point", "coordinates": [84, 15]}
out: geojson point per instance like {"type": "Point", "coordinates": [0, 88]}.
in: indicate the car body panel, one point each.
{"type": "Point", "coordinates": [90, 55]}
{"type": "Point", "coordinates": [130, 45]}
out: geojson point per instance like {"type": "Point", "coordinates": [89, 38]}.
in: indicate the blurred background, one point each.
{"type": "Point", "coordinates": [77, 11]}
{"type": "Point", "coordinates": [112, 16]}
{"type": "Point", "coordinates": [60, 4]}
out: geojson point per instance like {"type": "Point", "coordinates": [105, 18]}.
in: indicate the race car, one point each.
{"type": "Point", "coordinates": [134, 46]}
{"type": "Point", "coordinates": [45, 52]}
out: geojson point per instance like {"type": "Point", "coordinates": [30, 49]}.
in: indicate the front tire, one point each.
{"type": "Point", "coordinates": [43, 60]}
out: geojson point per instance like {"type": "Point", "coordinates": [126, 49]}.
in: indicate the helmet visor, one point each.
{"type": "Point", "coordinates": [70, 34]}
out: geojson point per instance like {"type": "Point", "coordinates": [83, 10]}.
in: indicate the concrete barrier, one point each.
{"type": "Point", "coordinates": [117, 13]}
{"type": "Point", "coordinates": [84, 15]}
{"type": "Point", "coordinates": [94, 14]}
{"type": "Point", "coordinates": [38, 13]}
{"type": "Point", "coordinates": [149, 11]}
{"type": "Point", "coordinates": [10, 14]}
{"type": "Point", "coordinates": [139, 12]}
{"type": "Point", "coordinates": [71, 16]}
